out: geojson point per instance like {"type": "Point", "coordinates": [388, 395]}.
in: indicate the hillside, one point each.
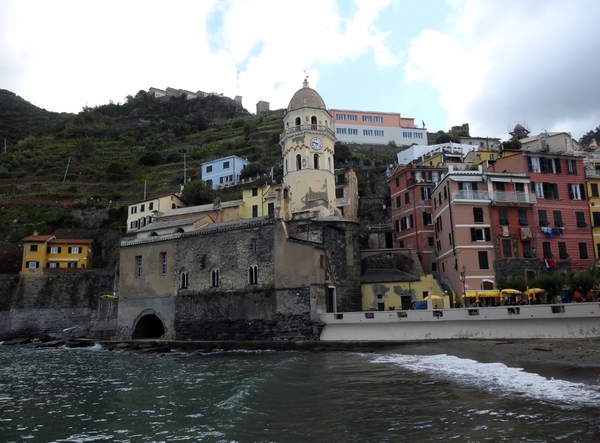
{"type": "Point", "coordinates": [19, 118]}
{"type": "Point", "coordinates": [79, 171]}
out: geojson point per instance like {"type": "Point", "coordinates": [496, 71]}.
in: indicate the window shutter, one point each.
{"type": "Point", "coordinates": [571, 196]}
{"type": "Point", "coordinates": [488, 237]}
{"type": "Point", "coordinates": [582, 190]}
{"type": "Point", "coordinates": [473, 234]}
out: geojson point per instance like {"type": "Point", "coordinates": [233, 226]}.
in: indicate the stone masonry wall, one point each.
{"type": "Point", "coordinates": [49, 304]}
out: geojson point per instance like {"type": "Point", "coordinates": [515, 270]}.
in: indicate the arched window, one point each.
{"type": "Point", "coordinates": [298, 162]}
{"type": "Point", "coordinates": [285, 169]}
{"type": "Point", "coordinates": [153, 234]}
{"type": "Point", "coordinates": [298, 123]}
{"type": "Point", "coordinates": [183, 280]}
{"type": "Point", "coordinates": [313, 122]}
{"type": "Point", "coordinates": [173, 206]}
{"type": "Point", "coordinates": [316, 161]}
{"type": "Point", "coordinates": [253, 274]}
{"type": "Point", "coordinates": [329, 162]}
{"type": "Point", "coordinates": [179, 231]}
{"type": "Point", "coordinates": [214, 278]}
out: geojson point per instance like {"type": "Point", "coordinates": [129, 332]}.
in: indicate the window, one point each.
{"type": "Point", "coordinates": [378, 119]}
{"type": "Point", "coordinates": [134, 209]}
{"type": "Point", "coordinates": [150, 206]}
{"type": "Point", "coordinates": [406, 198]}
{"type": "Point", "coordinates": [138, 265]}
{"type": "Point", "coordinates": [254, 192]}
{"type": "Point", "coordinates": [543, 218]}
{"type": "Point", "coordinates": [583, 251]}
{"type": "Point", "coordinates": [407, 134]}
{"type": "Point", "coordinates": [580, 217]}
{"type": "Point", "coordinates": [75, 250]}
{"type": "Point", "coordinates": [478, 215]}
{"type": "Point", "coordinates": [594, 189]}
{"type": "Point", "coordinates": [53, 265]}
{"type": "Point", "coordinates": [214, 278]}
{"type": "Point", "coordinates": [562, 250]}
{"type": "Point", "coordinates": [340, 130]}
{"type": "Point", "coordinates": [351, 117]}
{"type": "Point", "coordinates": [163, 263]}
{"type": "Point", "coordinates": [523, 218]}
{"type": "Point", "coordinates": [221, 179]}
{"type": "Point", "coordinates": [596, 219]}
{"type": "Point", "coordinates": [378, 133]}
{"type": "Point", "coordinates": [133, 224]}
{"type": "Point", "coordinates": [33, 248]}
{"type": "Point", "coordinates": [33, 264]}
{"type": "Point", "coordinates": [425, 193]}
{"type": "Point", "coordinates": [572, 167]}
{"type": "Point", "coordinates": [427, 218]}
{"type": "Point", "coordinates": [316, 161]}
{"type": "Point", "coordinates": [72, 265]}
{"type": "Point", "coordinates": [54, 250]}
{"type": "Point", "coordinates": [506, 248]}
{"type": "Point", "coordinates": [398, 201]}
{"type": "Point", "coordinates": [254, 210]}
{"type": "Point", "coordinates": [547, 249]}
{"type": "Point", "coordinates": [577, 191]}
{"type": "Point", "coordinates": [546, 190]}
{"type": "Point", "coordinates": [209, 168]}
{"type": "Point", "coordinates": [483, 260]}
{"type": "Point", "coordinates": [271, 209]}
{"type": "Point", "coordinates": [558, 221]}
{"type": "Point", "coordinates": [298, 162]}
{"type": "Point", "coordinates": [183, 280]}
{"type": "Point", "coordinates": [253, 274]}
{"type": "Point", "coordinates": [367, 118]}
{"type": "Point", "coordinates": [533, 164]}
{"type": "Point", "coordinates": [226, 165]}
{"type": "Point", "coordinates": [429, 241]}
{"type": "Point", "coordinates": [367, 132]}
{"type": "Point", "coordinates": [142, 208]}
{"type": "Point", "coordinates": [503, 215]}
{"type": "Point", "coordinates": [339, 192]}
{"type": "Point", "coordinates": [209, 183]}
{"type": "Point", "coordinates": [527, 251]}
{"type": "Point", "coordinates": [397, 182]}
{"type": "Point", "coordinates": [352, 131]}
{"type": "Point", "coordinates": [340, 116]}
{"type": "Point", "coordinates": [480, 234]}
{"type": "Point", "coordinates": [418, 135]}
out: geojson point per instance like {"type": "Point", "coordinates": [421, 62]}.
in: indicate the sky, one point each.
{"type": "Point", "coordinates": [489, 63]}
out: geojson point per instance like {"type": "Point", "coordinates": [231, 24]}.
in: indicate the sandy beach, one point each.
{"type": "Point", "coordinates": [574, 360]}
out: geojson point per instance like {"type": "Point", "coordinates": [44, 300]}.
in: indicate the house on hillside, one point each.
{"type": "Point", "coordinates": [224, 171]}
{"type": "Point", "coordinates": [43, 254]}
{"type": "Point", "coordinates": [378, 128]}
{"type": "Point", "coordinates": [142, 213]}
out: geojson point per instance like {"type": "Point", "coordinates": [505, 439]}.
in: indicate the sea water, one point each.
{"type": "Point", "coordinates": [91, 394]}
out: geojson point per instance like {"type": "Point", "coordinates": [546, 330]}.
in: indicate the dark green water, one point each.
{"type": "Point", "coordinates": [82, 395]}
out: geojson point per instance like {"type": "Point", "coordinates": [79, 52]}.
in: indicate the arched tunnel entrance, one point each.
{"type": "Point", "coordinates": [149, 326]}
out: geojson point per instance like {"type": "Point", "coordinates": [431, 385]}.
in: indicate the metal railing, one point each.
{"type": "Point", "coordinates": [513, 197]}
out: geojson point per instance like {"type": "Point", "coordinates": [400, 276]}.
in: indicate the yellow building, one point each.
{"type": "Point", "coordinates": [389, 292]}
{"type": "Point", "coordinates": [593, 188]}
{"type": "Point", "coordinates": [258, 202]}
{"type": "Point", "coordinates": [142, 213]}
{"type": "Point", "coordinates": [46, 252]}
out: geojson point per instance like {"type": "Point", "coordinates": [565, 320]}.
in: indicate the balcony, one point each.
{"type": "Point", "coordinates": [292, 130]}
{"type": "Point", "coordinates": [512, 198]}
{"type": "Point", "coordinates": [471, 195]}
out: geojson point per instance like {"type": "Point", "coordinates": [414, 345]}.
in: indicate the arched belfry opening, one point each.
{"type": "Point", "coordinates": [148, 326]}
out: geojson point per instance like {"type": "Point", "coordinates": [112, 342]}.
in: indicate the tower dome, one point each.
{"type": "Point", "coordinates": [306, 98]}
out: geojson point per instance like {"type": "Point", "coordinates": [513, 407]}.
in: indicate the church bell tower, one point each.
{"type": "Point", "coordinates": [307, 147]}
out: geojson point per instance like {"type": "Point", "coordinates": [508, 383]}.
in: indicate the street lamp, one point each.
{"type": "Point", "coordinates": [462, 279]}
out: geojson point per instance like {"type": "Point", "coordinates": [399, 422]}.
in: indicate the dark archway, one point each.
{"type": "Point", "coordinates": [149, 326]}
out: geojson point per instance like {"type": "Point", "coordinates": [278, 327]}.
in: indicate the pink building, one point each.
{"type": "Point", "coordinates": [368, 127]}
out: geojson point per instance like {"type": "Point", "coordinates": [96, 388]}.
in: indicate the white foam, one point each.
{"type": "Point", "coordinates": [497, 378]}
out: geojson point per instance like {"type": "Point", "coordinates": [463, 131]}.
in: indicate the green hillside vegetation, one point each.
{"type": "Point", "coordinates": [19, 118]}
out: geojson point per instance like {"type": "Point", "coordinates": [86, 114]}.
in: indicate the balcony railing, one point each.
{"type": "Point", "coordinates": [306, 127]}
{"type": "Point", "coordinates": [470, 195]}
{"type": "Point", "coordinates": [513, 197]}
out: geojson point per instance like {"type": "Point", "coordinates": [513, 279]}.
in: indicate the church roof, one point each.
{"type": "Point", "coordinates": [306, 97]}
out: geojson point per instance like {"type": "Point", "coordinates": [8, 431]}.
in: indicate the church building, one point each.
{"type": "Point", "coordinates": [195, 276]}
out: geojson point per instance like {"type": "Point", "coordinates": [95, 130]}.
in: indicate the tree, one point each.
{"type": "Point", "coordinates": [198, 193]}
{"type": "Point", "coordinates": [583, 282]}
{"type": "Point", "coordinates": [253, 169]}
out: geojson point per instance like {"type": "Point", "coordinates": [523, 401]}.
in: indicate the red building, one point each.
{"type": "Point", "coordinates": [411, 187]}
{"type": "Point", "coordinates": [559, 234]}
